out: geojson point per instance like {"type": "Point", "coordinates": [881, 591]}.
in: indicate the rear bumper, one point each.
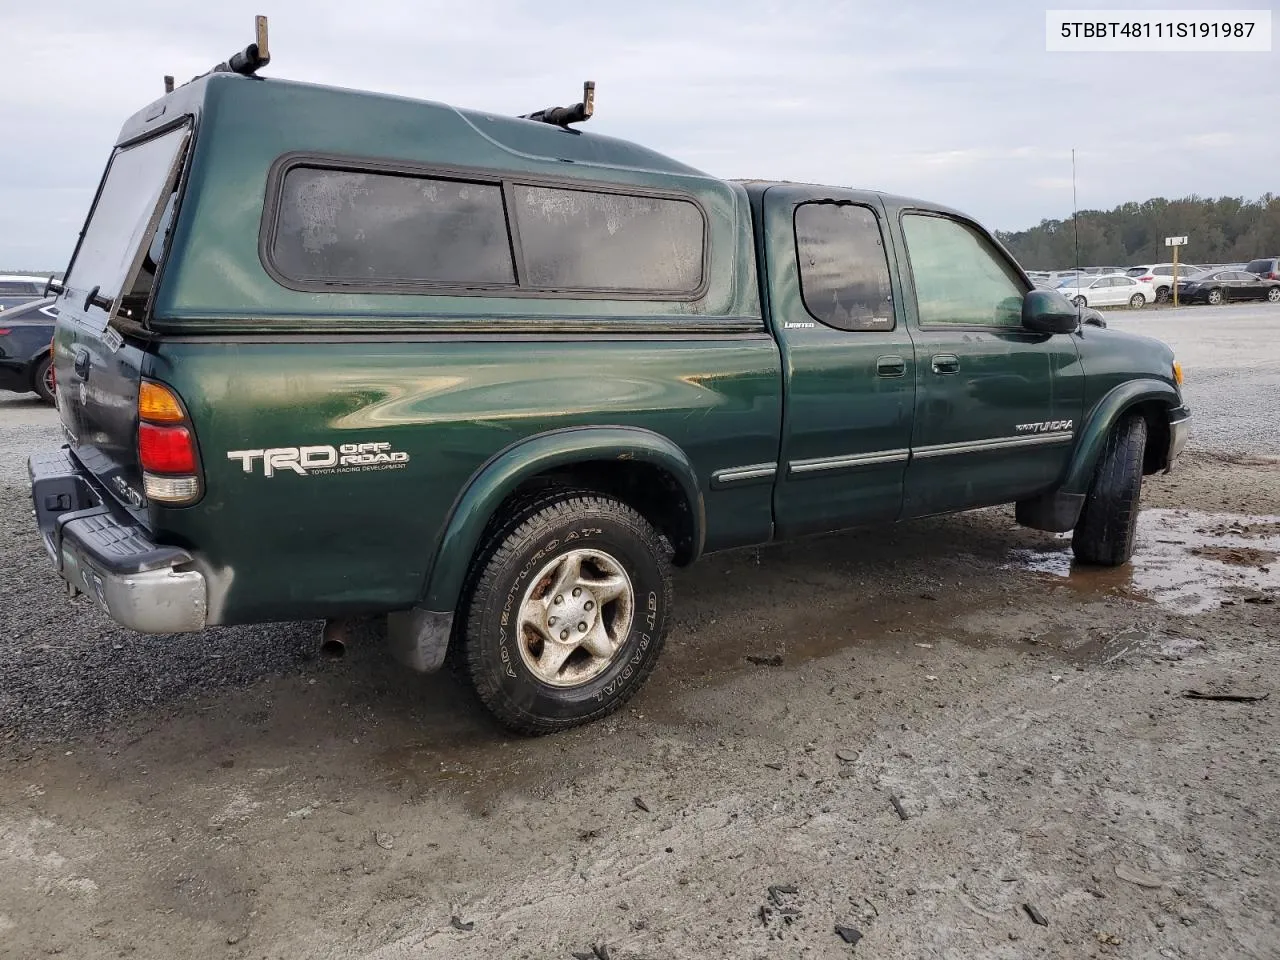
{"type": "Point", "coordinates": [101, 551]}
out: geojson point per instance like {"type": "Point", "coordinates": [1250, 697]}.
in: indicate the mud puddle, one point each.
{"type": "Point", "coordinates": [1186, 560]}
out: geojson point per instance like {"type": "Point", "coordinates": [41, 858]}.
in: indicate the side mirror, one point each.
{"type": "Point", "coordinates": [1048, 311]}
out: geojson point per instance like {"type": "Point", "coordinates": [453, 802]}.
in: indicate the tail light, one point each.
{"type": "Point", "coordinates": [166, 447]}
{"type": "Point", "coordinates": [1147, 279]}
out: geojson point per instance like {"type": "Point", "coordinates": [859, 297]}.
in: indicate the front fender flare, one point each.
{"type": "Point", "coordinates": [1100, 420]}
{"type": "Point", "coordinates": [503, 473]}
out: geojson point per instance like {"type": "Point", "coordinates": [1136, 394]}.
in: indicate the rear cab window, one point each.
{"type": "Point", "coordinates": [118, 255]}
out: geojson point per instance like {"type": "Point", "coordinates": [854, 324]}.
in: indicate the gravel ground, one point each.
{"type": "Point", "coordinates": [229, 794]}
{"type": "Point", "coordinates": [1229, 355]}
{"type": "Point", "coordinates": [69, 669]}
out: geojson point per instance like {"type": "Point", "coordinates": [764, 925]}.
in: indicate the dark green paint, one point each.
{"type": "Point", "coordinates": [485, 392]}
{"type": "Point", "coordinates": [501, 476]}
{"type": "Point", "coordinates": [836, 405]}
{"type": "Point", "coordinates": [325, 544]}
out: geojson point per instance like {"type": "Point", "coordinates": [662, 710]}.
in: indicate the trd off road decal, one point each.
{"type": "Point", "coordinates": [322, 458]}
{"type": "Point", "coordinates": [1045, 426]}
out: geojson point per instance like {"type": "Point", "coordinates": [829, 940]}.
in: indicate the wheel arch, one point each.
{"type": "Point", "coordinates": [641, 467]}
{"type": "Point", "coordinates": [36, 358]}
{"type": "Point", "coordinates": [1153, 399]}
{"type": "Point", "coordinates": [33, 365]}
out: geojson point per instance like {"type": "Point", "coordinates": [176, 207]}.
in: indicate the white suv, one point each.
{"type": "Point", "coordinates": [17, 290]}
{"type": "Point", "coordinates": [1160, 276]}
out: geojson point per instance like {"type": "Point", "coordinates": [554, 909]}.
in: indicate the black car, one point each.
{"type": "Point", "coordinates": [25, 332]}
{"type": "Point", "coordinates": [1222, 285]}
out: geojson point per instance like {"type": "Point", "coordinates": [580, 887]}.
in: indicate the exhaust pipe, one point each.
{"type": "Point", "coordinates": [333, 639]}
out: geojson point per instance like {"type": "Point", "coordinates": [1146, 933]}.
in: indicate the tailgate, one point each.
{"type": "Point", "coordinates": [98, 356]}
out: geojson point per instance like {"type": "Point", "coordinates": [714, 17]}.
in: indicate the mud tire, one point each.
{"type": "Point", "coordinates": [1107, 529]}
{"type": "Point", "coordinates": [533, 532]}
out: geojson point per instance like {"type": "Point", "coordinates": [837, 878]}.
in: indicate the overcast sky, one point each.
{"type": "Point", "coordinates": [951, 101]}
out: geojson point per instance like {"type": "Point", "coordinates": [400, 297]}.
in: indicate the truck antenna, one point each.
{"type": "Point", "coordinates": [563, 116]}
{"type": "Point", "coordinates": [1075, 212]}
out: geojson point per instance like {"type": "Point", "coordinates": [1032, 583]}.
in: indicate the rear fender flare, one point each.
{"type": "Point", "coordinates": [1102, 418]}
{"type": "Point", "coordinates": [503, 473]}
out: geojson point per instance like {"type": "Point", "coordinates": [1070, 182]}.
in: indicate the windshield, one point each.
{"type": "Point", "coordinates": [124, 213]}
{"type": "Point", "coordinates": [1073, 281]}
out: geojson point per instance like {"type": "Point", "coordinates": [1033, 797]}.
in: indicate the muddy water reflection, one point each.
{"type": "Point", "coordinates": [1186, 560]}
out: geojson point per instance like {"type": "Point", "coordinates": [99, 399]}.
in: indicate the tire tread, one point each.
{"type": "Point", "coordinates": [523, 519]}
{"type": "Point", "coordinates": [1107, 529]}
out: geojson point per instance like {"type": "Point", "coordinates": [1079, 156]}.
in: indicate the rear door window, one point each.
{"type": "Point", "coordinates": [959, 277]}
{"type": "Point", "coordinates": [844, 269]}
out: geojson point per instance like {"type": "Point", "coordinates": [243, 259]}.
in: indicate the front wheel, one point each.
{"type": "Point", "coordinates": [1107, 529]}
{"type": "Point", "coordinates": [567, 609]}
{"type": "Point", "coordinates": [1215, 297]}
{"type": "Point", "coordinates": [1274, 294]}
{"type": "Point", "coordinates": [1080, 302]}
{"type": "Point", "coordinates": [1137, 301]}
{"type": "Point", "coordinates": [42, 382]}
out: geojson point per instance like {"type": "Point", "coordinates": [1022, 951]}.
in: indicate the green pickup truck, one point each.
{"type": "Point", "coordinates": [325, 354]}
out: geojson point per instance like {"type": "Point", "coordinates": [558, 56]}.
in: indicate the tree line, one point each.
{"type": "Point", "coordinates": [1225, 230]}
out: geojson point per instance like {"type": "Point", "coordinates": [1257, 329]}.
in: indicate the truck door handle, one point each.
{"type": "Point", "coordinates": [891, 367]}
{"type": "Point", "coordinates": [81, 364]}
{"type": "Point", "coordinates": [946, 363]}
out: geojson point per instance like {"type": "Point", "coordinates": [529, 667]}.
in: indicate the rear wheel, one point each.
{"type": "Point", "coordinates": [1274, 294]}
{"type": "Point", "coordinates": [42, 382]}
{"type": "Point", "coordinates": [1215, 297]}
{"type": "Point", "coordinates": [567, 609]}
{"type": "Point", "coordinates": [1137, 301]}
{"type": "Point", "coordinates": [1162, 294]}
{"type": "Point", "coordinates": [1107, 528]}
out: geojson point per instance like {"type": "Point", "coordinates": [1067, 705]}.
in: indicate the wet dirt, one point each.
{"type": "Point", "coordinates": [1026, 715]}
{"type": "Point", "coordinates": [1185, 560]}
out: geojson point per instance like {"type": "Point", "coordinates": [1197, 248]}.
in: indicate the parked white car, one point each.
{"type": "Point", "coordinates": [16, 290]}
{"type": "Point", "coordinates": [1108, 291]}
{"type": "Point", "coordinates": [1160, 276]}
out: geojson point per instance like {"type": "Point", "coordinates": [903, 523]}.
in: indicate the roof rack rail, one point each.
{"type": "Point", "coordinates": [246, 62]}
{"type": "Point", "coordinates": [563, 116]}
